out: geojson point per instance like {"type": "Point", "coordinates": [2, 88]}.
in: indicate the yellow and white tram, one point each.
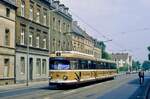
{"type": "Point", "coordinates": [70, 67]}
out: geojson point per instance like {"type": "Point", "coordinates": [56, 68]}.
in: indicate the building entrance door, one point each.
{"type": "Point", "coordinates": [31, 69]}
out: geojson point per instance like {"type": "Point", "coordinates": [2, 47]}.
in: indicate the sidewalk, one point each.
{"type": "Point", "coordinates": [21, 85]}
{"type": "Point", "coordinates": [131, 90]}
{"type": "Point", "coordinates": [148, 93]}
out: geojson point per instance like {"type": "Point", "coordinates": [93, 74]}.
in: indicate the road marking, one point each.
{"type": "Point", "coordinates": [69, 92]}
{"type": "Point", "coordinates": [13, 90]}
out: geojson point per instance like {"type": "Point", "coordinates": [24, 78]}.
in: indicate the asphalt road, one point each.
{"type": "Point", "coordinates": [122, 87]}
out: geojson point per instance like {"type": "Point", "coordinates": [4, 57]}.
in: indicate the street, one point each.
{"type": "Point", "coordinates": [122, 87]}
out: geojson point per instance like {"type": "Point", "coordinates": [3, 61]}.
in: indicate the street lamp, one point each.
{"type": "Point", "coordinates": [103, 42]}
{"type": "Point", "coordinates": [107, 40]}
{"type": "Point", "coordinates": [27, 70]}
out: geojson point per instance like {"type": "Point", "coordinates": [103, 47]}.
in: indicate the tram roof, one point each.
{"type": "Point", "coordinates": [79, 55]}
{"type": "Point", "coordinates": [72, 54]}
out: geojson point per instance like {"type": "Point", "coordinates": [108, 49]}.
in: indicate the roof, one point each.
{"type": "Point", "coordinates": [79, 55]}
{"type": "Point", "coordinates": [77, 30]}
{"type": "Point", "coordinates": [118, 56]}
{"type": "Point", "coordinates": [12, 2]}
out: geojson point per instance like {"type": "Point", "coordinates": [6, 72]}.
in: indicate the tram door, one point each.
{"type": "Point", "coordinates": [31, 68]}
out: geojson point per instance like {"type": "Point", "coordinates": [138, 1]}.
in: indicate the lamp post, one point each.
{"type": "Point", "coordinates": [108, 40]}
{"type": "Point", "coordinates": [103, 42]}
{"type": "Point", "coordinates": [27, 68]}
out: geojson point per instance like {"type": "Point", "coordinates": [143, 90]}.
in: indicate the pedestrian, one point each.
{"type": "Point", "coordinates": [141, 76]}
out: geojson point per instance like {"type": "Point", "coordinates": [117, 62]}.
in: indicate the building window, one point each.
{"type": "Point", "coordinates": [68, 27]}
{"type": "Point", "coordinates": [64, 45]}
{"type": "Point", "coordinates": [59, 26]}
{"type": "Point", "coordinates": [7, 37]}
{"type": "Point", "coordinates": [64, 27]}
{"type": "Point", "coordinates": [37, 42]}
{"type": "Point", "coordinates": [22, 65]}
{"type": "Point", "coordinates": [22, 36]}
{"type": "Point", "coordinates": [30, 40]}
{"type": "Point", "coordinates": [44, 43]}
{"type": "Point", "coordinates": [53, 44]}
{"type": "Point", "coordinates": [54, 23]}
{"type": "Point", "coordinates": [38, 66]}
{"type": "Point", "coordinates": [22, 8]}
{"type": "Point", "coordinates": [38, 16]}
{"type": "Point", "coordinates": [31, 12]}
{"type": "Point", "coordinates": [59, 45]}
{"type": "Point", "coordinates": [44, 66]}
{"type": "Point", "coordinates": [7, 12]}
{"type": "Point", "coordinates": [45, 19]}
{"type": "Point", "coordinates": [6, 67]}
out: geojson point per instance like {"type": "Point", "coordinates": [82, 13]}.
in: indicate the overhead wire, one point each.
{"type": "Point", "coordinates": [120, 47]}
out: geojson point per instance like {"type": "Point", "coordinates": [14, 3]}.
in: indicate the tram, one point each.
{"type": "Point", "coordinates": [71, 67]}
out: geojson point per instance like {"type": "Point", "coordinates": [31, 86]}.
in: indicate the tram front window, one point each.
{"type": "Point", "coordinates": [59, 65]}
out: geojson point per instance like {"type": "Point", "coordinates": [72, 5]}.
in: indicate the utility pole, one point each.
{"type": "Point", "coordinates": [27, 69]}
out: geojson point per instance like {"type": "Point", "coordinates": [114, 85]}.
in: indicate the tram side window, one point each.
{"type": "Point", "coordinates": [114, 66]}
{"type": "Point", "coordinates": [59, 65]}
{"type": "Point", "coordinates": [89, 64]}
{"type": "Point", "coordinates": [94, 65]}
{"type": "Point", "coordinates": [74, 65]}
{"type": "Point", "coordinates": [107, 66]}
{"type": "Point", "coordinates": [98, 65]}
{"type": "Point", "coordinates": [83, 64]}
{"type": "Point", "coordinates": [102, 65]}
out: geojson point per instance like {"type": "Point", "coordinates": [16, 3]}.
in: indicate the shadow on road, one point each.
{"type": "Point", "coordinates": [140, 93]}
{"type": "Point", "coordinates": [75, 86]}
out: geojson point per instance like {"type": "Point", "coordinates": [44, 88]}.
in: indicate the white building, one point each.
{"type": "Point", "coordinates": [122, 59]}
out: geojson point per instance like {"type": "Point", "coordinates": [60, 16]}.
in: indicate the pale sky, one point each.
{"type": "Point", "coordinates": [126, 22]}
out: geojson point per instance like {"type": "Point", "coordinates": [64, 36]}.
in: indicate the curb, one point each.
{"type": "Point", "coordinates": [147, 92]}
{"type": "Point", "coordinates": [21, 85]}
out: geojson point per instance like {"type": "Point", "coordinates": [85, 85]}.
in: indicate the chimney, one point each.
{"type": "Point", "coordinates": [66, 10]}
{"type": "Point", "coordinates": [56, 4]}
{"type": "Point", "coordinates": [62, 7]}
{"type": "Point", "coordinates": [75, 23]}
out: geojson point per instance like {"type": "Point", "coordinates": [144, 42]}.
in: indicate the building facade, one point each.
{"type": "Point", "coordinates": [122, 59]}
{"type": "Point", "coordinates": [97, 49]}
{"type": "Point", "coordinates": [77, 38]}
{"type": "Point", "coordinates": [7, 41]}
{"type": "Point", "coordinates": [84, 43]}
{"type": "Point", "coordinates": [60, 27]}
{"type": "Point", "coordinates": [32, 36]}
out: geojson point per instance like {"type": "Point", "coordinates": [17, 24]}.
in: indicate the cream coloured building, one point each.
{"type": "Point", "coordinates": [122, 59]}
{"type": "Point", "coordinates": [84, 43]}
{"type": "Point", "coordinates": [7, 41]}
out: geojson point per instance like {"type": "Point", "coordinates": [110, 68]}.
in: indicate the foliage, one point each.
{"type": "Point", "coordinates": [146, 65]}
{"type": "Point", "coordinates": [102, 46]}
{"type": "Point", "coordinates": [148, 48]}
{"type": "Point", "coordinates": [136, 65]}
{"type": "Point", "coordinates": [124, 68]}
{"type": "Point", "coordinates": [106, 55]}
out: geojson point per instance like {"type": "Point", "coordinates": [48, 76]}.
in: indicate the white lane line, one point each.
{"type": "Point", "coordinates": [69, 92]}
{"type": "Point", "coordinates": [13, 90]}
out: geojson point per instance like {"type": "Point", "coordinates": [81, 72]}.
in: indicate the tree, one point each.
{"type": "Point", "coordinates": [146, 65]}
{"type": "Point", "coordinates": [149, 53]}
{"type": "Point", "coordinates": [148, 48]}
{"type": "Point", "coordinates": [136, 65]}
{"type": "Point", "coordinates": [105, 55]}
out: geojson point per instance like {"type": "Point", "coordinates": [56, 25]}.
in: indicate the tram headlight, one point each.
{"type": "Point", "coordinates": [65, 77]}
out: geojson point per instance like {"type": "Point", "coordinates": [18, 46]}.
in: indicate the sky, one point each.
{"type": "Point", "coordinates": [125, 22]}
